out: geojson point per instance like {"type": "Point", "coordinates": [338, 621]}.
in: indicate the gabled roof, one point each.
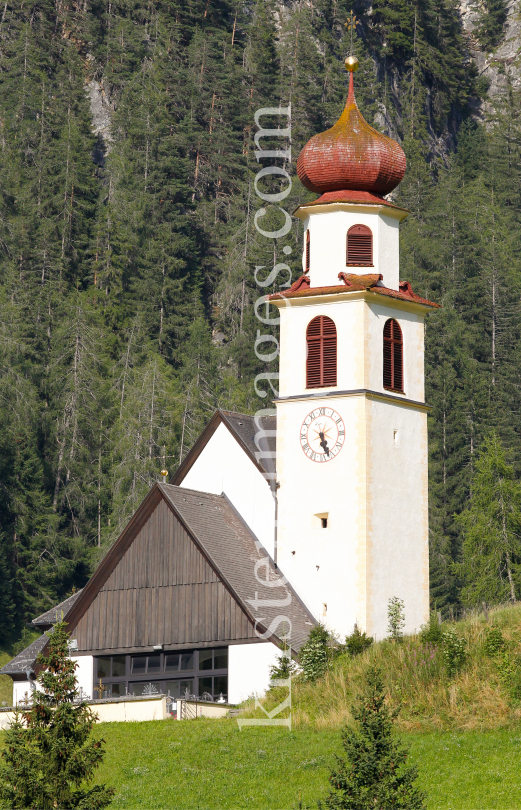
{"type": "Point", "coordinates": [54, 615]}
{"type": "Point", "coordinates": [229, 547]}
{"type": "Point", "coordinates": [244, 429]}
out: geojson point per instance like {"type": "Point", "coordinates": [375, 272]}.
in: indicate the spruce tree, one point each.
{"type": "Point", "coordinates": [374, 774]}
{"type": "Point", "coordinates": [49, 757]}
{"type": "Point", "coordinates": [491, 524]}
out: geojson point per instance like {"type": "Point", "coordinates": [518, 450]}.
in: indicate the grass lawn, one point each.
{"type": "Point", "coordinates": [212, 765]}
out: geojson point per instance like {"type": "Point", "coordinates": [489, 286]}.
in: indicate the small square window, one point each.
{"type": "Point", "coordinates": [172, 662]}
{"type": "Point", "coordinates": [119, 690]}
{"type": "Point", "coordinates": [205, 659]}
{"type": "Point", "coordinates": [220, 658]}
{"type": "Point", "coordinates": [154, 663]}
{"type": "Point", "coordinates": [103, 667]}
{"type": "Point", "coordinates": [205, 686]}
{"type": "Point", "coordinates": [220, 686]}
{"type": "Point", "coordinates": [139, 665]}
{"type": "Point", "coordinates": [118, 666]}
{"type": "Point", "coordinates": [187, 661]}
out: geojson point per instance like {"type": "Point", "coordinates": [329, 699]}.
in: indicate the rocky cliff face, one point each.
{"type": "Point", "coordinates": [504, 62]}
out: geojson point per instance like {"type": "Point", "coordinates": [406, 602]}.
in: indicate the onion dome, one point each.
{"type": "Point", "coordinates": [351, 155]}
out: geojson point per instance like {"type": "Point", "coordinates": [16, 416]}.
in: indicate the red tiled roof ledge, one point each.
{"type": "Point", "coordinates": [405, 292]}
{"type": "Point", "coordinates": [352, 196]}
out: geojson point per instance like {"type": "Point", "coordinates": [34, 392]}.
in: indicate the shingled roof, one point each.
{"type": "Point", "coordinates": [26, 659]}
{"type": "Point", "coordinates": [249, 435]}
{"type": "Point", "coordinates": [56, 613]}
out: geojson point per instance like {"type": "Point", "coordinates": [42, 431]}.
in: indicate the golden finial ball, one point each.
{"type": "Point", "coordinates": [352, 64]}
{"type": "Point", "coordinates": [164, 473]}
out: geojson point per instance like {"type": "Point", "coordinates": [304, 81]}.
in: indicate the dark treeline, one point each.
{"type": "Point", "coordinates": [128, 249]}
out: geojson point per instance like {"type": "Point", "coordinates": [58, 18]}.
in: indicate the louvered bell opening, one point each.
{"type": "Point", "coordinates": [393, 356]}
{"type": "Point", "coordinates": [329, 361]}
{"type": "Point", "coordinates": [398, 366]}
{"type": "Point", "coordinates": [359, 246]}
{"type": "Point", "coordinates": [321, 359]}
{"type": "Point", "coordinates": [315, 327]}
{"type": "Point", "coordinates": [313, 364]}
{"type": "Point", "coordinates": [388, 363]}
{"type": "Point", "coordinates": [308, 251]}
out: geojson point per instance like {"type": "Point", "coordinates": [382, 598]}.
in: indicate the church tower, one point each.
{"type": "Point", "coordinates": [351, 412]}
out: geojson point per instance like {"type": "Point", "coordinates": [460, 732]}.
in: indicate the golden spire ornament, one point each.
{"type": "Point", "coordinates": [164, 475]}
{"type": "Point", "coordinates": [351, 62]}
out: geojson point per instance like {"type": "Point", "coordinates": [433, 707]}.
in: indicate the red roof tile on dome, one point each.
{"type": "Point", "coordinates": [351, 155]}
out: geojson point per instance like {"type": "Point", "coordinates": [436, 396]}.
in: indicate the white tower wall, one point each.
{"type": "Point", "coordinates": [328, 226]}
{"type": "Point", "coordinates": [359, 327]}
{"type": "Point", "coordinates": [374, 492]}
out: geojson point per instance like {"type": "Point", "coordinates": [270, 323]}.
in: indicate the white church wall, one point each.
{"type": "Point", "coordinates": [347, 316]}
{"type": "Point", "coordinates": [21, 690]}
{"type": "Point", "coordinates": [413, 330]}
{"type": "Point", "coordinates": [374, 494]}
{"type": "Point", "coordinates": [249, 669]}
{"type": "Point", "coordinates": [328, 226]}
{"type": "Point", "coordinates": [359, 328]}
{"type": "Point", "coordinates": [399, 554]}
{"type": "Point", "coordinates": [85, 673]}
{"type": "Point", "coordinates": [321, 564]}
{"type": "Point", "coordinates": [223, 466]}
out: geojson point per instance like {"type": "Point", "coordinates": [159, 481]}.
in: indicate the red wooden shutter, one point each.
{"type": "Point", "coordinates": [308, 250]}
{"type": "Point", "coordinates": [393, 356]}
{"type": "Point", "coordinates": [359, 246]}
{"type": "Point", "coordinates": [321, 359]}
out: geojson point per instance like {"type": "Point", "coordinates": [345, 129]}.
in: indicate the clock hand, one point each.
{"type": "Point", "coordinates": [323, 443]}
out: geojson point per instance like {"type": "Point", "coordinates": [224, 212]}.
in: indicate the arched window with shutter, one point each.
{"type": "Point", "coordinates": [321, 356]}
{"type": "Point", "coordinates": [393, 356]}
{"type": "Point", "coordinates": [308, 250]}
{"type": "Point", "coordinates": [359, 246]}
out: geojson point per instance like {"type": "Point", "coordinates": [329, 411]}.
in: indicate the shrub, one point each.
{"type": "Point", "coordinates": [396, 617]}
{"type": "Point", "coordinates": [432, 633]}
{"type": "Point", "coordinates": [315, 655]}
{"type": "Point", "coordinates": [284, 668]}
{"type": "Point", "coordinates": [357, 642]}
{"type": "Point", "coordinates": [374, 772]}
{"type": "Point", "coordinates": [494, 642]}
{"type": "Point", "coordinates": [453, 651]}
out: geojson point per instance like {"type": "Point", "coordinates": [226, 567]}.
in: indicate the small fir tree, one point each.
{"type": "Point", "coordinates": [396, 618]}
{"type": "Point", "coordinates": [48, 758]}
{"type": "Point", "coordinates": [314, 654]}
{"type": "Point", "coordinates": [358, 642]}
{"type": "Point", "coordinates": [374, 772]}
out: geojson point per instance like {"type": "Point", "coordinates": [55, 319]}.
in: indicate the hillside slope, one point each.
{"type": "Point", "coordinates": [484, 694]}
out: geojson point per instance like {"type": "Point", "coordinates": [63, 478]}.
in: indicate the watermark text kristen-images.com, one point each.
{"type": "Point", "coordinates": [266, 383]}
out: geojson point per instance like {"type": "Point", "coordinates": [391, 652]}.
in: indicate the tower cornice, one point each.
{"type": "Point", "coordinates": [368, 206]}
{"type": "Point", "coordinates": [357, 392]}
{"type": "Point", "coordinates": [333, 295]}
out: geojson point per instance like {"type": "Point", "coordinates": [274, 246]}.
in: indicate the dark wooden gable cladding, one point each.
{"type": "Point", "coordinates": [162, 590]}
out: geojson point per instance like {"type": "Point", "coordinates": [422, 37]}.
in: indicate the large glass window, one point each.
{"type": "Point", "coordinates": [202, 673]}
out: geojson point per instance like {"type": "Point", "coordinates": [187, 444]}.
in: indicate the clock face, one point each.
{"type": "Point", "coordinates": [322, 434]}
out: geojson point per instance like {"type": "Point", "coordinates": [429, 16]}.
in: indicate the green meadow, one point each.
{"type": "Point", "coordinates": [464, 733]}
{"type": "Point", "coordinates": [212, 765]}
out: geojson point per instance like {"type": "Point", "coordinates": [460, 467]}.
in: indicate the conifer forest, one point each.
{"type": "Point", "coordinates": [128, 254]}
